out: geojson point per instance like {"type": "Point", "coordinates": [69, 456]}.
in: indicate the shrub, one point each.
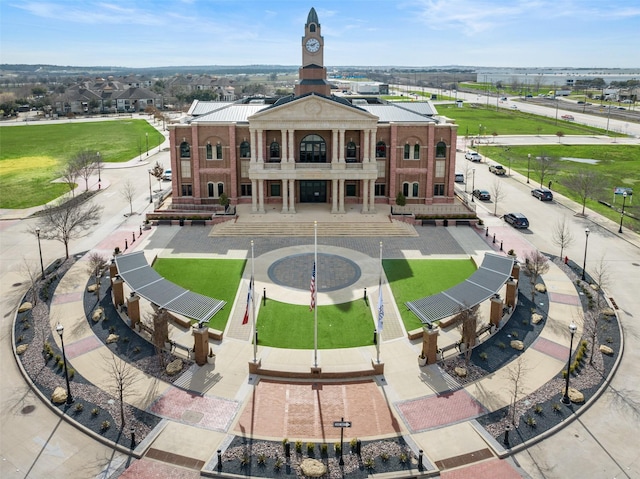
{"type": "Point", "coordinates": [60, 363]}
{"type": "Point", "coordinates": [57, 358]}
{"type": "Point", "coordinates": [403, 458]}
{"type": "Point", "coordinates": [112, 329]}
{"type": "Point", "coordinates": [136, 349]}
{"type": "Point", "coordinates": [285, 441]}
{"type": "Point", "coordinates": [531, 422]}
{"type": "Point", "coordinates": [298, 446]}
{"type": "Point", "coordinates": [278, 464]}
{"type": "Point", "coordinates": [337, 447]}
{"type": "Point", "coordinates": [525, 322]}
{"type": "Point", "coordinates": [353, 443]}
{"type": "Point", "coordinates": [262, 458]}
{"type": "Point", "coordinates": [310, 448]}
{"type": "Point", "coordinates": [556, 407]}
{"type": "Point", "coordinates": [95, 411]}
{"type": "Point", "coordinates": [370, 463]}
{"type": "Point", "coordinates": [324, 448]}
{"type": "Point", "coordinates": [245, 460]}
{"type": "Point", "coordinates": [483, 355]}
{"type": "Point", "coordinates": [72, 372]}
{"type": "Point", "coordinates": [19, 339]}
{"type": "Point", "coordinates": [105, 425]}
{"type": "Point", "coordinates": [78, 407]}
{"type": "Point", "coordinates": [515, 334]}
{"type": "Point", "coordinates": [501, 345]}
{"type": "Point", "coordinates": [538, 409]}
{"type": "Point", "coordinates": [126, 339]}
{"type": "Point", "coordinates": [384, 456]}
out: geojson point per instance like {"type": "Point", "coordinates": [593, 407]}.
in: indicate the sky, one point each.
{"type": "Point", "coordinates": [490, 33]}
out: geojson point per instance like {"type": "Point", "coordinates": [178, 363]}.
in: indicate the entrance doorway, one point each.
{"type": "Point", "coordinates": [313, 191]}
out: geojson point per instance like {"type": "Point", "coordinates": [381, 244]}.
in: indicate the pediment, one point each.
{"type": "Point", "coordinates": [313, 108]}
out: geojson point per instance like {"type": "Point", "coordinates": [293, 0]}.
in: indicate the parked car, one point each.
{"type": "Point", "coordinates": [482, 195]}
{"type": "Point", "coordinates": [473, 156]}
{"type": "Point", "coordinates": [514, 107]}
{"type": "Point", "coordinates": [542, 194]}
{"type": "Point", "coordinates": [497, 170]}
{"type": "Point", "coordinates": [567, 117]}
{"type": "Point", "coordinates": [517, 220]}
{"type": "Point", "coordinates": [166, 176]}
{"type": "Point", "coordinates": [459, 178]}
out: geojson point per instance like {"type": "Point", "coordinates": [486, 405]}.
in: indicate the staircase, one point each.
{"type": "Point", "coordinates": [331, 228]}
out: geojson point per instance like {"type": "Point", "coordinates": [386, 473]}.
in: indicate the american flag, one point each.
{"type": "Point", "coordinates": [245, 320]}
{"type": "Point", "coordinates": [312, 288]}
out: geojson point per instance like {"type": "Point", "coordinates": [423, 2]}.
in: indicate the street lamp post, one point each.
{"type": "Point", "coordinates": [150, 193]}
{"type": "Point", "coordinates": [528, 166]}
{"type": "Point", "coordinates": [624, 200]}
{"type": "Point", "coordinates": [60, 330]}
{"type": "Point", "coordinates": [565, 397]}
{"type": "Point", "coordinates": [40, 251]}
{"type": "Point", "coordinates": [147, 136]}
{"type": "Point", "coordinates": [586, 242]}
{"type": "Point", "coordinates": [473, 183]}
{"type": "Point", "coordinates": [99, 166]}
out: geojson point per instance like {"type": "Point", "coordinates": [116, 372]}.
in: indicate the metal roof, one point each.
{"type": "Point", "coordinates": [493, 273]}
{"type": "Point", "coordinates": [236, 112]}
{"type": "Point", "coordinates": [144, 280]}
{"type": "Point", "coordinates": [199, 108]}
{"type": "Point", "coordinates": [389, 113]}
{"type": "Point", "coordinates": [419, 107]}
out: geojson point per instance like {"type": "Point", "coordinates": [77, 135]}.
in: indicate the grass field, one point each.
{"type": "Point", "coordinates": [415, 279]}
{"type": "Point", "coordinates": [31, 155]}
{"type": "Point", "coordinates": [216, 278]}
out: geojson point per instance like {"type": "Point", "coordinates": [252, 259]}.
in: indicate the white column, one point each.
{"type": "Point", "coordinates": [372, 196]}
{"type": "Point", "coordinates": [252, 140]}
{"type": "Point", "coordinates": [334, 196]}
{"type": "Point", "coordinates": [372, 150]}
{"type": "Point", "coordinates": [260, 146]}
{"type": "Point", "coordinates": [283, 141]}
{"type": "Point", "coordinates": [341, 195]}
{"type": "Point", "coordinates": [365, 195]}
{"type": "Point", "coordinates": [365, 139]}
{"type": "Point", "coordinates": [285, 196]}
{"type": "Point", "coordinates": [260, 196]}
{"type": "Point", "coordinates": [341, 147]}
{"type": "Point", "coordinates": [292, 196]}
{"type": "Point", "coordinates": [254, 207]}
{"type": "Point", "coordinates": [334, 146]}
{"type": "Point", "coordinates": [292, 153]}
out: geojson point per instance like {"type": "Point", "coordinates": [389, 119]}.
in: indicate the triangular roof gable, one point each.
{"type": "Point", "coordinates": [313, 107]}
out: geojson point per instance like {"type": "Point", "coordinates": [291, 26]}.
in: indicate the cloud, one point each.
{"type": "Point", "coordinates": [91, 13]}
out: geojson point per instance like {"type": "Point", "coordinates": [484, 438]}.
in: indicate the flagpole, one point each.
{"type": "Point", "coordinates": [379, 306]}
{"type": "Point", "coordinates": [315, 308]}
{"type": "Point", "coordinates": [253, 311]}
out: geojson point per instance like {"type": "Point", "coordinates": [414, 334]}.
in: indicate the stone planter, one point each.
{"type": "Point", "coordinates": [422, 361]}
{"type": "Point", "coordinates": [211, 359]}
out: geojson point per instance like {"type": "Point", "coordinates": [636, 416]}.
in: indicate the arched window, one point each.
{"type": "Point", "coordinates": [209, 151]}
{"type": "Point", "coordinates": [185, 150]}
{"type": "Point", "coordinates": [441, 149]}
{"type": "Point", "coordinates": [405, 189]}
{"type": "Point", "coordinates": [274, 152]}
{"type": "Point", "coordinates": [407, 150]}
{"type": "Point", "coordinates": [415, 190]}
{"type": "Point", "coordinates": [210, 190]}
{"type": "Point", "coordinates": [245, 150]}
{"type": "Point", "coordinates": [312, 28]}
{"type": "Point", "coordinates": [351, 152]}
{"type": "Point", "coordinates": [218, 151]}
{"type": "Point", "coordinates": [220, 188]}
{"type": "Point", "coordinates": [381, 149]}
{"type": "Point", "coordinates": [313, 149]}
{"type": "Point", "coordinates": [416, 152]}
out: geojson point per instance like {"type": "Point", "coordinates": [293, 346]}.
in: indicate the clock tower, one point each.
{"type": "Point", "coordinates": [312, 75]}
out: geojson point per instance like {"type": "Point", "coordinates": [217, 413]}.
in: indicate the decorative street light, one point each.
{"type": "Point", "coordinates": [99, 166]}
{"type": "Point", "coordinates": [586, 242]}
{"type": "Point", "coordinates": [624, 200]}
{"type": "Point", "coordinates": [473, 183]}
{"type": "Point", "coordinates": [60, 330]}
{"type": "Point", "coordinates": [150, 193]}
{"type": "Point", "coordinates": [565, 397]}
{"type": "Point", "coordinates": [528, 165]}
{"type": "Point", "coordinates": [147, 136]}
{"type": "Point", "coordinates": [40, 251]}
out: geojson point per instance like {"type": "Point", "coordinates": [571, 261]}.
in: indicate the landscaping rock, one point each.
{"type": "Point", "coordinates": [575, 395]}
{"type": "Point", "coordinates": [594, 287]}
{"type": "Point", "coordinates": [536, 318]}
{"type": "Point", "coordinates": [26, 306]}
{"type": "Point", "coordinates": [517, 344]}
{"type": "Point", "coordinates": [541, 288]}
{"type": "Point", "coordinates": [606, 349]}
{"type": "Point", "coordinates": [59, 395]}
{"type": "Point", "coordinates": [313, 468]}
{"type": "Point", "coordinates": [608, 312]}
{"type": "Point", "coordinates": [461, 372]}
{"type": "Point", "coordinates": [23, 347]}
{"type": "Point", "coordinates": [98, 314]}
{"type": "Point", "coordinates": [92, 288]}
{"type": "Point", "coordinates": [174, 367]}
{"type": "Point", "coordinates": [112, 338]}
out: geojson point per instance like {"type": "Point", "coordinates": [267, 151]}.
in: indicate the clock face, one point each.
{"type": "Point", "coordinates": [312, 45]}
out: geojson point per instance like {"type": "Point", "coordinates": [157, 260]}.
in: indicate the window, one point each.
{"type": "Point", "coordinates": [415, 190]}
{"type": "Point", "coordinates": [209, 151]}
{"type": "Point", "coordinates": [245, 150]}
{"type": "Point", "coordinates": [380, 189]}
{"type": "Point", "coordinates": [185, 150]}
{"type": "Point", "coordinates": [416, 152]}
{"type": "Point", "coordinates": [438, 189]}
{"type": "Point", "coordinates": [312, 28]}
{"type": "Point", "coordinates": [351, 152]}
{"type": "Point", "coordinates": [218, 151]}
{"type": "Point", "coordinates": [220, 188]}
{"type": "Point", "coordinates": [274, 189]}
{"type": "Point", "coordinates": [210, 190]}
{"type": "Point", "coordinates": [381, 149]}
{"type": "Point", "coordinates": [274, 152]}
{"type": "Point", "coordinates": [440, 169]}
{"type": "Point", "coordinates": [313, 149]}
{"type": "Point", "coordinates": [350, 189]}
{"type": "Point", "coordinates": [245, 189]}
{"type": "Point", "coordinates": [407, 150]}
{"type": "Point", "coordinates": [186, 190]}
{"type": "Point", "coordinates": [405, 190]}
{"type": "Point", "coordinates": [441, 149]}
{"type": "Point", "coordinates": [185, 168]}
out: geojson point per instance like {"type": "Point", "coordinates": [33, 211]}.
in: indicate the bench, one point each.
{"type": "Point", "coordinates": [175, 346]}
{"type": "Point", "coordinates": [484, 329]}
{"type": "Point", "coordinates": [198, 222]}
{"type": "Point", "coordinates": [164, 222]}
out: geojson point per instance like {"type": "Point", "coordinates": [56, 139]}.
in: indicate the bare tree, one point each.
{"type": "Point", "coordinates": [69, 175]}
{"type": "Point", "coordinates": [516, 372]}
{"type": "Point", "coordinates": [561, 235]}
{"type": "Point", "coordinates": [157, 171]}
{"type": "Point", "coordinates": [536, 264]}
{"type": "Point", "coordinates": [32, 270]}
{"type": "Point", "coordinates": [122, 377]}
{"type": "Point", "coordinates": [585, 183]}
{"type": "Point", "coordinates": [559, 134]}
{"type": "Point", "coordinates": [467, 320]}
{"type": "Point", "coordinates": [129, 193]}
{"type": "Point", "coordinates": [85, 164]}
{"type": "Point", "coordinates": [497, 193]}
{"type": "Point", "coordinates": [544, 165]}
{"type": "Point", "coordinates": [68, 221]}
{"type": "Point", "coordinates": [95, 266]}
{"type": "Point", "coordinates": [601, 276]}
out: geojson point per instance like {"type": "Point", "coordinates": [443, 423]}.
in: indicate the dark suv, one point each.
{"type": "Point", "coordinates": [517, 220]}
{"type": "Point", "coordinates": [542, 194]}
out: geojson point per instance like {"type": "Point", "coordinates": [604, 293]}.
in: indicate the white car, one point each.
{"type": "Point", "coordinates": [166, 176]}
{"type": "Point", "coordinates": [473, 156]}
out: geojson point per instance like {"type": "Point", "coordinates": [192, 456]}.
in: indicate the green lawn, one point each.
{"type": "Point", "coordinates": [31, 155]}
{"type": "Point", "coordinates": [216, 278]}
{"type": "Point", "coordinates": [415, 279]}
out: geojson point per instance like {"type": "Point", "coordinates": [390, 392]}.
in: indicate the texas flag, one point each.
{"type": "Point", "coordinates": [245, 320]}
